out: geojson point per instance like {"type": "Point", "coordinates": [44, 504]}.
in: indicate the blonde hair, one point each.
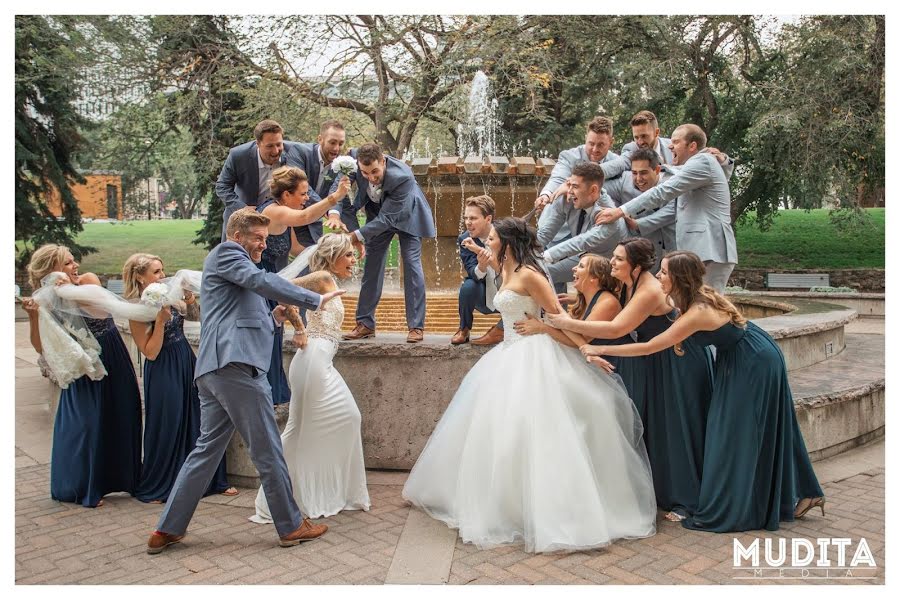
{"type": "Point", "coordinates": [332, 246]}
{"type": "Point", "coordinates": [686, 271]}
{"type": "Point", "coordinates": [45, 260]}
{"type": "Point", "coordinates": [137, 264]}
{"type": "Point", "coordinates": [599, 267]}
{"type": "Point", "coordinates": [243, 219]}
{"type": "Point", "coordinates": [286, 179]}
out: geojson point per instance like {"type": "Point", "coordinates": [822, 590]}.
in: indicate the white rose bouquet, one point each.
{"type": "Point", "coordinates": [345, 165]}
{"type": "Point", "coordinates": [159, 295]}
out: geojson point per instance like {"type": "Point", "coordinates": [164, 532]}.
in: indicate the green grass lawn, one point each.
{"type": "Point", "coordinates": [797, 239]}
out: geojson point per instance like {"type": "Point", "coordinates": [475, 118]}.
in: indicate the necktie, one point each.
{"type": "Point", "coordinates": [582, 215]}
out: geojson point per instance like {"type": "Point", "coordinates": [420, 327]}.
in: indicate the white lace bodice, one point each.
{"type": "Point", "coordinates": [326, 322]}
{"type": "Point", "coordinates": [512, 307]}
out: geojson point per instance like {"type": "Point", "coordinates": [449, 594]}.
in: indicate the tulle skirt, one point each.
{"type": "Point", "coordinates": [539, 447]}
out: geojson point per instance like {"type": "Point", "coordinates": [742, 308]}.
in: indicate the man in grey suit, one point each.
{"type": "Point", "coordinates": [703, 210]}
{"type": "Point", "coordinates": [645, 132]}
{"type": "Point", "coordinates": [245, 176]}
{"type": "Point", "coordinates": [235, 352]}
{"type": "Point", "coordinates": [597, 142]}
{"type": "Point", "coordinates": [394, 205]}
{"type": "Point", "coordinates": [584, 200]}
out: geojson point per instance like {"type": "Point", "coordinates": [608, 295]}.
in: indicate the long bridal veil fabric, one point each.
{"type": "Point", "coordinates": [298, 264]}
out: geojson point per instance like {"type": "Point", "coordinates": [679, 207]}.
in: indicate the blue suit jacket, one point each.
{"type": "Point", "coordinates": [468, 258]}
{"type": "Point", "coordinates": [237, 323]}
{"type": "Point", "coordinates": [403, 206]}
{"type": "Point", "coordinates": [238, 183]}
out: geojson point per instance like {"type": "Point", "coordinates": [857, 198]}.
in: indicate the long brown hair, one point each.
{"type": "Point", "coordinates": [686, 271]}
{"type": "Point", "coordinates": [597, 266]}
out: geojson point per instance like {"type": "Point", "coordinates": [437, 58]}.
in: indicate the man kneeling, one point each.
{"type": "Point", "coordinates": [480, 285]}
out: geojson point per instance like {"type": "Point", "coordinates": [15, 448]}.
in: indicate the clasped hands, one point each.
{"type": "Point", "coordinates": [484, 255]}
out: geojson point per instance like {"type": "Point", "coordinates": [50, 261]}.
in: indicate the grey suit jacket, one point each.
{"type": "Point", "coordinates": [703, 211]}
{"type": "Point", "coordinates": [237, 323]}
{"type": "Point", "coordinates": [238, 183]}
{"type": "Point", "coordinates": [623, 163]}
{"type": "Point", "coordinates": [657, 225]}
{"type": "Point", "coordinates": [601, 239]}
{"type": "Point", "coordinates": [403, 206]}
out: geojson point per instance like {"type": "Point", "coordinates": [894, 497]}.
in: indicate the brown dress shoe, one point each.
{"type": "Point", "coordinates": [415, 336]}
{"type": "Point", "coordinates": [360, 332]}
{"type": "Point", "coordinates": [305, 533]}
{"type": "Point", "coordinates": [494, 335]}
{"type": "Point", "coordinates": [460, 337]}
{"type": "Point", "coordinates": [159, 541]}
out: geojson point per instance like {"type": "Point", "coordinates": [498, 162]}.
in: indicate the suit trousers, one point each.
{"type": "Point", "coordinates": [237, 396]}
{"type": "Point", "coordinates": [717, 275]}
{"type": "Point", "coordinates": [373, 278]}
{"type": "Point", "coordinates": [472, 298]}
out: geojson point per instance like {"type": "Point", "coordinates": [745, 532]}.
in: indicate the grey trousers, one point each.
{"type": "Point", "coordinates": [373, 278]}
{"type": "Point", "coordinates": [717, 275]}
{"type": "Point", "coordinates": [237, 396]}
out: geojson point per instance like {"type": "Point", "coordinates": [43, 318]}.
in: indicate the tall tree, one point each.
{"type": "Point", "coordinates": [49, 54]}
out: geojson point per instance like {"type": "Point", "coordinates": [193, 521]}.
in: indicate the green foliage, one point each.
{"type": "Point", "coordinates": [48, 132]}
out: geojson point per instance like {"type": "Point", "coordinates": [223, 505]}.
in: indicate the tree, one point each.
{"type": "Point", "coordinates": [48, 132]}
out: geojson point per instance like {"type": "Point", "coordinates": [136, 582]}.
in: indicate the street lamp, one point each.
{"type": "Point", "coordinates": [147, 144]}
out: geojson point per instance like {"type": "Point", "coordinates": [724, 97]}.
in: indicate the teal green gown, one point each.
{"type": "Point", "coordinates": [755, 466]}
{"type": "Point", "coordinates": [672, 394]}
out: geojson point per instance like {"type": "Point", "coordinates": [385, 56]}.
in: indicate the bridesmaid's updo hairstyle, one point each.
{"type": "Point", "coordinates": [137, 264]}
{"type": "Point", "coordinates": [639, 252]}
{"type": "Point", "coordinates": [45, 260]}
{"type": "Point", "coordinates": [685, 271]}
{"type": "Point", "coordinates": [518, 240]}
{"type": "Point", "coordinates": [286, 179]}
{"type": "Point", "coordinates": [332, 246]}
{"type": "Point", "coordinates": [598, 267]}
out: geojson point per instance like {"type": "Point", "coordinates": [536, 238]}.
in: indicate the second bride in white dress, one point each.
{"type": "Point", "coordinates": [322, 441]}
{"type": "Point", "coordinates": [537, 446]}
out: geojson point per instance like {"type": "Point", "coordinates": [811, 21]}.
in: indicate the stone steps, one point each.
{"type": "Point", "coordinates": [441, 315]}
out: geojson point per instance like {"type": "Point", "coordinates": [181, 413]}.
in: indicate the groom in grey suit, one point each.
{"type": "Point", "coordinates": [235, 352]}
{"type": "Point", "coordinates": [703, 209]}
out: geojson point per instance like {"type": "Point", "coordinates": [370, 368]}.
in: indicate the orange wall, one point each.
{"type": "Point", "coordinates": [91, 196]}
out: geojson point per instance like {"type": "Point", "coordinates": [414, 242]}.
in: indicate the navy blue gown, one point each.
{"type": "Point", "coordinates": [97, 431]}
{"type": "Point", "coordinates": [172, 416]}
{"type": "Point", "coordinates": [672, 393]}
{"type": "Point", "coordinates": [621, 363]}
{"type": "Point", "coordinates": [274, 258]}
{"type": "Point", "coordinates": [755, 466]}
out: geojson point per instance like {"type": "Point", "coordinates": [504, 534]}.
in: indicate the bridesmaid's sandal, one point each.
{"type": "Point", "coordinates": [232, 491]}
{"type": "Point", "coordinates": [155, 502]}
{"type": "Point", "coordinates": [675, 517]}
{"type": "Point", "coordinates": [807, 504]}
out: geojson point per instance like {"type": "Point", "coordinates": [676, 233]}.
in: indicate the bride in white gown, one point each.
{"type": "Point", "coordinates": [537, 446]}
{"type": "Point", "coordinates": [322, 441]}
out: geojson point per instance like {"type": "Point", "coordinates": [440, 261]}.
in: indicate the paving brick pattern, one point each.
{"type": "Point", "coordinates": [60, 543]}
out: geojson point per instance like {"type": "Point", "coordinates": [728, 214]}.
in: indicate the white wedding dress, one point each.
{"type": "Point", "coordinates": [537, 446]}
{"type": "Point", "coordinates": [322, 441]}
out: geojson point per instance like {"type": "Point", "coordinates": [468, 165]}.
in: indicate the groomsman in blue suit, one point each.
{"type": "Point", "coordinates": [394, 205]}
{"type": "Point", "coordinates": [315, 160]}
{"type": "Point", "coordinates": [596, 149]}
{"type": "Point", "coordinates": [480, 285]}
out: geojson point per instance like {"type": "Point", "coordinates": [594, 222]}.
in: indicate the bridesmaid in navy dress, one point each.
{"type": "Point", "coordinates": [171, 402]}
{"type": "Point", "coordinates": [290, 191]}
{"type": "Point", "coordinates": [756, 470]}
{"type": "Point", "coordinates": [97, 431]}
{"type": "Point", "coordinates": [671, 387]}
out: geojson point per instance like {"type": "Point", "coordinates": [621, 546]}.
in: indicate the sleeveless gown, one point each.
{"type": "Point", "coordinates": [621, 363]}
{"type": "Point", "coordinates": [672, 394]}
{"type": "Point", "coordinates": [537, 446]}
{"type": "Point", "coordinates": [755, 467]}
{"type": "Point", "coordinates": [97, 431]}
{"type": "Point", "coordinates": [274, 258]}
{"type": "Point", "coordinates": [172, 416]}
{"type": "Point", "coordinates": [322, 440]}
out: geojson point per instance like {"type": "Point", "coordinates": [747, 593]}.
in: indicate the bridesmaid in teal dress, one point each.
{"type": "Point", "coordinates": [756, 470]}
{"type": "Point", "coordinates": [671, 388]}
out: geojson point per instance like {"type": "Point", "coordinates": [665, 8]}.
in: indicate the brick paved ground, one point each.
{"type": "Point", "coordinates": [64, 543]}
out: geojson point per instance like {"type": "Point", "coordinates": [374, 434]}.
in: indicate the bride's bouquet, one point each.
{"type": "Point", "coordinates": [345, 165]}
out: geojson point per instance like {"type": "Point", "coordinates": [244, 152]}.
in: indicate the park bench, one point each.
{"type": "Point", "coordinates": [796, 280]}
{"type": "Point", "coordinates": [116, 286]}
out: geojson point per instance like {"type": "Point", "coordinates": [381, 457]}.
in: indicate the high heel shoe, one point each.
{"type": "Point", "coordinates": [810, 504]}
